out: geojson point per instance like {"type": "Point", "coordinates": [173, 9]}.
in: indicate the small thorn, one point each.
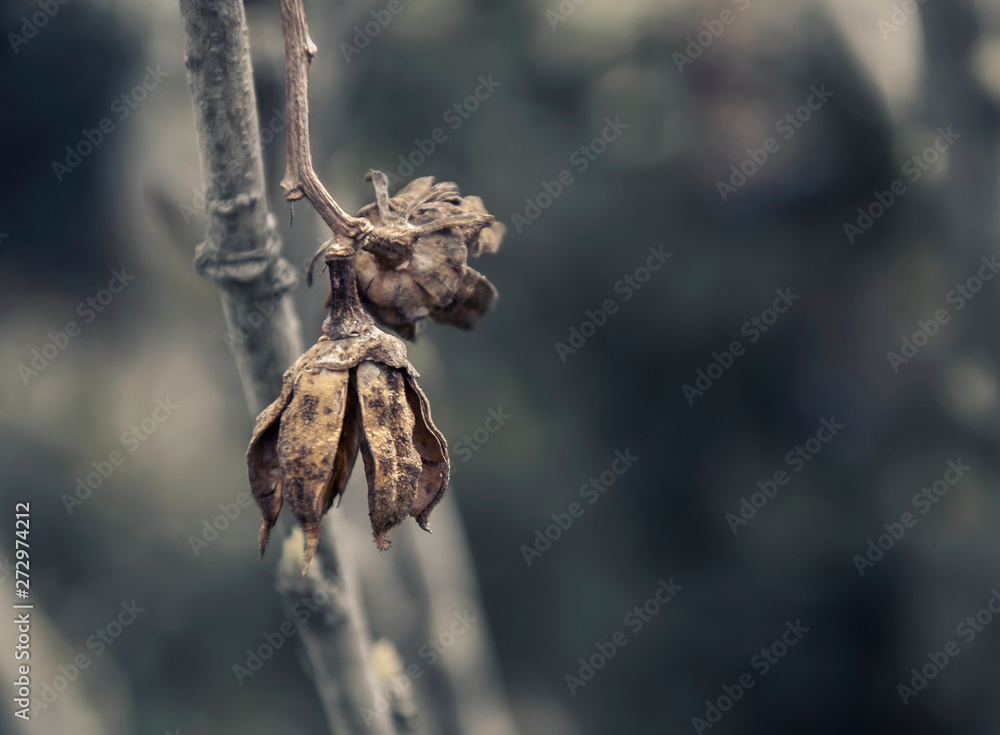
{"type": "Point", "coordinates": [291, 213]}
{"type": "Point", "coordinates": [425, 526]}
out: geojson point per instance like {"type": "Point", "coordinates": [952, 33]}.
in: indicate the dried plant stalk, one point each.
{"type": "Point", "coordinates": [300, 177]}
{"type": "Point", "coordinates": [242, 254]}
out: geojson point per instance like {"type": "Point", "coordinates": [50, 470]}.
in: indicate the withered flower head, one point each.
{"type": "Point", "coordinates": [413, 265]}
{"type": "Point", "coordinates": [352, 390]}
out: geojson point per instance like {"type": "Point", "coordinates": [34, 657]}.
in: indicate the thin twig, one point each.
{"type": "Point", "coordinates": [300, 177]}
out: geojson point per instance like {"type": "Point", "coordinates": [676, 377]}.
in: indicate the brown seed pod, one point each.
{"type": "Point", "coordinates": [352, 391]}
{"type": "Point", "coordinates": [413, 264]}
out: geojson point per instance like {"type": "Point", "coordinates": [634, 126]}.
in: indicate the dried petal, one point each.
{"type": "Point", "coordinates": [307, 447]}
{"type": "Point", "coordinates": [347, 449]}
{"type": "Point", "coordinates": [262, 459]}
{"type": "Point", "coordinates": [392, 464]}
{"type": "Point", "coordinates": [392, 297]}
{"type": "Point", "coordinates": [474, 298]}
{"type": "Point", "coordinates": [348, 352]}
{"type": "Point", "coordinates": [437, 265]}
{"type": "Point", "coordinates": [265, 480]}
{"type": "Point", "coordinates": [410, 193]}
{"type": "Point", "coordinates": [489, 239]}
{"type": "Point", "coordinates": [486, 240]}
{"type": "Point", "coordinates": [433, 450]}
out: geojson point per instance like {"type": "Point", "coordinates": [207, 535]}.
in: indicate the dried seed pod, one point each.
{"type": "Point", "coordinates": [352, 391]}
{"type": "Point", "coordinates": [413, 264]}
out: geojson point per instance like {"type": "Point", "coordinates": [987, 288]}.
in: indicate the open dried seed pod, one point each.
{"type": "Point", "coordinates": [352, 391]}
{"type": "Point", "coordinates": [413, 265]}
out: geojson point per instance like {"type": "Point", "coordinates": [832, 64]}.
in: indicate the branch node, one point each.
{"type": "Point", "coordinates": [235, 205]}
{"type": "Point", "coordinates": [293, 190]}
{"type": "Point", "coordinates": [244, 267]}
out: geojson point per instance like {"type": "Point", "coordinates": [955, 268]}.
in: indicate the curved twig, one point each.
{"type": "Point", "coordinates": [300, 179]}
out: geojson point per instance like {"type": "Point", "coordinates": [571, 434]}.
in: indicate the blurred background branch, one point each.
{"type": "Point", "coordinates": [334, 632]}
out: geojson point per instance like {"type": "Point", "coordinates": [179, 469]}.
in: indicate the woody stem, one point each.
{"type": "Point", "coordinates": [300, 179]}
{"type": "Point", "coordinates": [346, 316]}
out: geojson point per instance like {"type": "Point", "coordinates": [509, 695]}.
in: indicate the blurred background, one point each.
{"type": "Point", "coordinates": [842, 153]}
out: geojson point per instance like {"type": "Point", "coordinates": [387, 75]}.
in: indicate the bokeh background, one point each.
{"type": "Point", "coordinates": [897, 71]}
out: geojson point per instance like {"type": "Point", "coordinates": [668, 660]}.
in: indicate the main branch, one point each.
{"type": "Point", "coordinates": [242, 249]}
